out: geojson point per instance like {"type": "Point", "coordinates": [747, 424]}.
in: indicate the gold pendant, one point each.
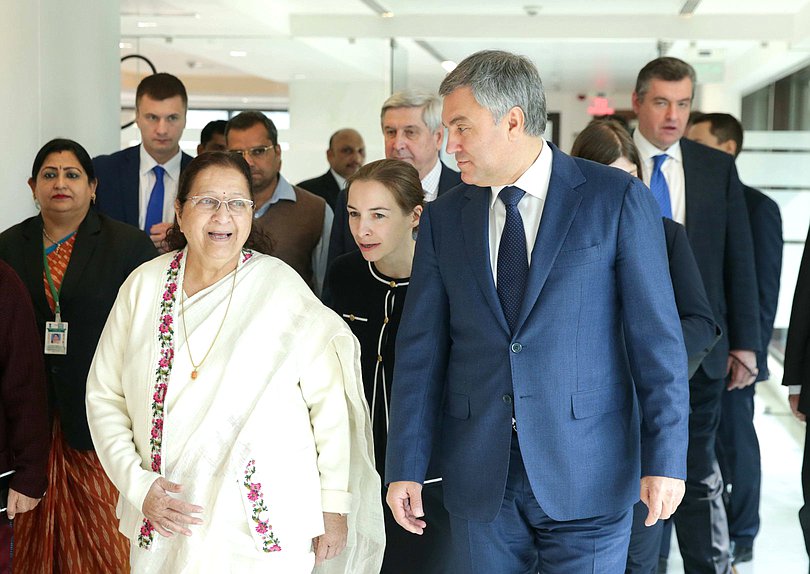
{"type": "Point", "coordinates": [193, 374]}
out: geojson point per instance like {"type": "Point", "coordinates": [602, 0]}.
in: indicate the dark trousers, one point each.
{"type": "Point", "coordinates": [700, 520]}
{"type": "Point", "coordinates": [525, 540]}
{"type": "Point", "coordinates": [429, 553]}
{"type": "Point", "coordinates": [804, 512]}
{"type": "Point", "coordinates": [645, 543]}
{"type": "Point", "coordinates": [739, 458]}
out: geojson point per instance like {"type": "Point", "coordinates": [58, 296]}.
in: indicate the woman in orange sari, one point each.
{"type": "Point", "coordinates": [72, 260]}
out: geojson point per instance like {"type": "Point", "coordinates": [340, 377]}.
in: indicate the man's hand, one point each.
{"type": "Point", "coordinates": [793, 401]}
{"type": "Point", "coordinates": [743, 368]}
{"type": "Point", "coordinates": [19, 503]}
{"type": "Point", "coordinates": [333, 540]}
{"type": "Point", "coordinates": [662, 495]}
{"type": "Point", "coordinates": [158, 235]}
{"type": "Point", "coordinates": [405, 500]}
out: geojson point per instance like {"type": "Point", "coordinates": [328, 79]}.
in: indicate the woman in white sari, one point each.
{"type": "Point", "coordinates": [225, 404]}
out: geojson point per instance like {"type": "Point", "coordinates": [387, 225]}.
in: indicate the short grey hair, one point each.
{"type": "Point", "coordinates": [500, 81]}
{"type": "Point", "coordinates": [431, 106]}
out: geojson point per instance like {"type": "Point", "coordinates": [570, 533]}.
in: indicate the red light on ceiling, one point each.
{"type": "Point", "coordinates": [599, 107]}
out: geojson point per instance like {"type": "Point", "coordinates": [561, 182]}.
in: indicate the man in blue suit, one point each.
{"type": "Point", "coordinates": [543, 306]}
{"type": "Point", "coordinates": [138, 185]}
{"type": "Point", "coordinates": [737, 443]}
{"type": "Point", "coordinates": [698, 187]}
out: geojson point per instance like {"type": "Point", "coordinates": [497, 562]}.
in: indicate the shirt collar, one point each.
{"type": "Point", "coordinates": [284, 191]}
{"type": "Point", "coordinates": [431, 182]}
{"type": "Point", "coordinates": [647, 151]}
{"type": "Point", "coordinates": [534, 180]}
{"type": "Point", "coordinates": [172, 166]}
{"type": "Point", "coordinates": [341, 181]}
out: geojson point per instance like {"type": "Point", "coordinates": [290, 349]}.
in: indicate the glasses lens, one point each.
{"type": "Point", "coordinates": [259, 151]}
{"type": "Point", "coordinates": [238, 205]}
{"type": "Point", "coordinates": [207, 203]}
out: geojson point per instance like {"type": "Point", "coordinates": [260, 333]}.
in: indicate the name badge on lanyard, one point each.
{"type": "Point", "coordinates": [56, 332]}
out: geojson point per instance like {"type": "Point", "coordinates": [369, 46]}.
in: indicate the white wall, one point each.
{"type": "Point", "coordinates": [60, 70]}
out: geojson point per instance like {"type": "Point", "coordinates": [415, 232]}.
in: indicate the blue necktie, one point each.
{"type": "Point", "coordinates": [513, 261]}
{"type": "Point", "coordinates": [659, 187]}
{"type": "Point", "coordinates": [154, 209]}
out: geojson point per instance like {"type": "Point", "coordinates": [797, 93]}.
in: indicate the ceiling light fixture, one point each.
{"type": "Point", "coordinates": [237, 53]}
{"type": "Point", "coordinates": [147, 24]}
{"type": "Point", "coordinates": [449, 65]}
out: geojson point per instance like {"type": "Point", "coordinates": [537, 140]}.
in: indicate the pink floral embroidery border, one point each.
{"type": "Point", "coordinates": [270, 542]}
{"type": "Point", "coordinates": [164, 369]}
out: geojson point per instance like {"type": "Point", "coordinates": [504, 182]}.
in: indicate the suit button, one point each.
{"type": "Point", "coordinates": [516, 347]}
{"type": "Point", "coordinates": [507, 399]}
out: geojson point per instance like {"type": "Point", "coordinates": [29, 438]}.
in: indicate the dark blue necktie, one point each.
{"type": "Point", "coordinates": [659, 187]}
{"type": "Point", "coordinates": [513, 261]}
{"type": "Point", "coordinates": [154, 209]}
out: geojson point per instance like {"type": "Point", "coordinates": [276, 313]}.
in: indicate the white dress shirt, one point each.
{"type": "Point", "coordinates": [431, 182]}
{"type": "Point", "coordinates": [341, 181]}
{"type": "Point", "coordinates": [147, 182]}
{"type": "Point", "coordinates": [534, 182]}
{"type": "Point", "coordinates": [672, 170]}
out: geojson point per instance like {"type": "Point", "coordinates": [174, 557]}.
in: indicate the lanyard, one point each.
{"type": "Point", "coordinates": [54, 292]}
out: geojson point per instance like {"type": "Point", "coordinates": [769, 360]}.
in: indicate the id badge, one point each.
{"type": "Point", "coordinates": [56, 333]}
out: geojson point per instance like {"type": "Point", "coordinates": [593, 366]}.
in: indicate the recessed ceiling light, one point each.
{"type": "Point", "coordinates": [124, 45]}
{"type": "Point", "coordinates": [387, 15]}
{"type": "Point", "coordinates": [449, 65]}
{"type": "Point", "coordinates": [238, 53]}
{"type": "Point", "coordinates": [147, 24]}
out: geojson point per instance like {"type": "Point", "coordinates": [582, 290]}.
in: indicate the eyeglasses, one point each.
{"type": "Point", "coordinates": [254, 152]}
{"type": "Point", "coordinates": [235, 205]}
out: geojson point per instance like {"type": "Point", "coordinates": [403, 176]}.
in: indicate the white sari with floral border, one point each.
{"type": "Point", "coordinates": [273, 432]}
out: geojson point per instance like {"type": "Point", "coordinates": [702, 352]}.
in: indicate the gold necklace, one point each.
{"type": "Point", "coordinates": [185, 333]}
{"type": "Point", "coordinates": [51, 239]}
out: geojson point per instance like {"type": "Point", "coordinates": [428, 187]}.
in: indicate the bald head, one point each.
{"type": "Point", "coordinates": [347, 152]}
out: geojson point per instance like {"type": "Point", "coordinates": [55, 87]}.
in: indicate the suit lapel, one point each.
{"type": "Point", "coordinates": [562, 202]}
{"type": "Point", "coordinates": [86, 241]}
{"type": "Point", "coordinates": [130, 186]}
{"type": "Point", "coordinates": [32, 274]}
{"type": "Point", "coordinates": [475, 230]}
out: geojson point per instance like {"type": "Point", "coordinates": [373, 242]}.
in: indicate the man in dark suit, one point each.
{"type": "Point", "coordinates": [346, 154]}
{"type": "Point", "coordinates": [212, 137]}
{"type": "Point", "coordinates": [699, 188]}
{"type": "Point", "coordinates": [138, 185]}
{"type": "Point", "coordinates": [737, 443]}
{"type": "Point", "coordinates": [544, 306]}
{"type": "Point", "coordinates": [412, 128]}
{"type": "Point", "coordinates": [797, 375]}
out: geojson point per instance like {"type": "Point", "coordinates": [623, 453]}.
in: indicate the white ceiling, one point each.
{"type": "Point", "coordinates": [584, 46]}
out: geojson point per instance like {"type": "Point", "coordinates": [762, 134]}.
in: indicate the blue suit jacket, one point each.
{"type": "Point", "coordinates": [118, 181]}
{"type": "Point", "coordinates": [598, 314]}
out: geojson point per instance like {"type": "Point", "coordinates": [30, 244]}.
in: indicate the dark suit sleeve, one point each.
{"type": "Point", "coordinates": [422, 348]}
{"type": "Point", "coordinates": [340, 239]}
{"type": "Point", "coordinates": [700, 332]}
{"type": "Point", "coordinates": [739, 274]}
{"type": "Point", "coordinates": [799, 329]}
{"type": "Point", "coordinates": [653, 335]}
{"type": "Point", "coordinates": [766, 230]}
{"type": "Point", "coordinates": [22, 388]}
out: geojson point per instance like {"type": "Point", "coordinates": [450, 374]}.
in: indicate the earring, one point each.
{"type": "Point", "coordinates": [93, 199]}
{"type": "Point", "coordinates": [37, 205]}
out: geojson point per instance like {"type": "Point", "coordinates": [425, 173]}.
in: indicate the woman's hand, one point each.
{"type": "Point", "coordinates": [19, 503]}
{"type": "Point", "coordinates": [168, 514]}
{"type": "Point", "coordinates": [333, 540]}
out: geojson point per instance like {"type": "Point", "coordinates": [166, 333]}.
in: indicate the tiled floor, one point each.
{"type": "Point", "coordinates": [779, 548]}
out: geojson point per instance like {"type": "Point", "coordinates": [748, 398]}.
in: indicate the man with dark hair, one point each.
{"type": "Point", "coordinates": [346, 154]}
{"type": "Point", "coordinates": [212, 137]}
{"type": "Point", "coordinates": [138, 185]}
{"type": "Point", "coordinates": [737, 443]}
{"type": "Point", "coordinates": [698, 187]}
{"type": "Point", "coordinates": [544, 307]}
{"type": "Point", "coordinates": [412, 128]}
{"type": "Point", "coordinates": [297, 221]}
